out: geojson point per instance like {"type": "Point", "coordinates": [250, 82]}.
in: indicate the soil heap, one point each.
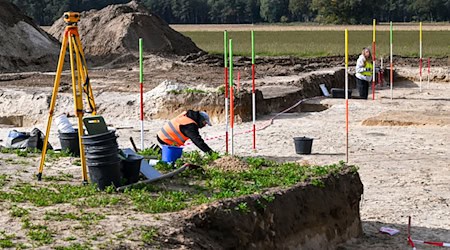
{"type": "Point", "coordinates": [24, 45]}
{"type": "Point", "coordinates": [114, 31]}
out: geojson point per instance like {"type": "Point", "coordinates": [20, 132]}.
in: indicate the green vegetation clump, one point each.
{"type": "Point", "coordinates": [187, 91]}
{"type": "Point", "coordinates": [195, 186]}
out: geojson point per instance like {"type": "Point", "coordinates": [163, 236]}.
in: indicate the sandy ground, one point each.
{"type": "Point", "coordinates": [306, 27]}
{"type": "Point", "coordinates": [405, 169]}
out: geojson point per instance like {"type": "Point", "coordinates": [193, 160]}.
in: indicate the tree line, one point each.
{"type": "Point", "coordinates": [45, 12]}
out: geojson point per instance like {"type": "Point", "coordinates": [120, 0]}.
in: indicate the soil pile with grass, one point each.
{"type": "Point", "coordinates": [115, 30]}
{"type": "Point", "coordinates": [230, 163]}
{"type": "Point", "coordinates": [24, 45]}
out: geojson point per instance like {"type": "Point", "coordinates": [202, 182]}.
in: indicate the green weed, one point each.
{"type": "Point", "coordinates": [18, 212]}
{"type": "Point", "coordinates": [242, 207]}
{"type": "Point", "coordinates": [187, 91]}
{"type": "Point", "coordinates": [60, 177]}
{"type": "Point", "coordinates": [74, 246]}
{"type": "Point", "coordinates": [149, 234]}
{"type": "Point", "coordinates": [150, 152]}
{"type": "Point", "coordinates": [82, 216]}
{"type": "Point", "coordinates": [46, 196]}
{"type": "Point", "coordinates": [3, 179]}
{"type": "Point", "coordinates": [41, 236]}
{"type": "Point", "coordinates": [54, 155]}
{"type": "Point", "coordinates": [99, 201]}
{"type": "Point", "coordinates": [6, 240]}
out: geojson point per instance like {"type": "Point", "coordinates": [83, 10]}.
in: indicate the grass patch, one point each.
{"type": "Point", "coordinates": [60, 177]}
{"type": "Point", "coordinates": [151, 152]}
{"type": "Point", "coordinates": [190, 188]}
{"type": "Point", "coordinates": [46, 196]}
{"type": "Point", "coordinates": [323, 43]}
{"type": "Point", "coordinates": [18, 152]}
{"type": "Point", "coordinates": [18, 212]}
{"type": "Point", "coordinates": [74, 246]}
{"type": "Point", "coordinates": [82, 216]}
{"type": "Point", "coordinates": [187, 91]}
{"type": "Point", "coordinates": [6, 240]}
{"type": "Point", "coordinates": [3, 179]}
{"type": "Point", "coordinates": [41, 236]}
{"type": "Point", "coordinates": [149, 234]}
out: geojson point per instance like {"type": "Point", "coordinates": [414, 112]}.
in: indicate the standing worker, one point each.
{"type": "Point", "coordinates": [183, 127]}
{"type": "Point", "coordinates": [364, 71]}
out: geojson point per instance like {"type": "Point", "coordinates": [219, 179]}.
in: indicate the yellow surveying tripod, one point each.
{"type": "Point", "coordinates": [80, 84]}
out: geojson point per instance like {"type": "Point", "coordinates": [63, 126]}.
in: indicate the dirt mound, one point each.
{"type": "Point", "coordinates": [230, 163]}
{"type": "Point", "coordinates": [24, 45]}
{"type": "Point", "coordinates": [409, 118]}
{"type": "Point", "coordinates": [114, 31]}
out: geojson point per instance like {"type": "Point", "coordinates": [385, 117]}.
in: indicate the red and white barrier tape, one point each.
{"type": "Point", "coordinates": [413, 243]}
{"type": "Point", "coordinates": [266, 124]}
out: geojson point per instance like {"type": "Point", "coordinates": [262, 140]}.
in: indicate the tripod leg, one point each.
{"type": "Point", "coordinates": [78, 101]}
{"type": "Point", "coordinates": [87, 88]}
{"type": "Point", "coordinates": [52, 104]}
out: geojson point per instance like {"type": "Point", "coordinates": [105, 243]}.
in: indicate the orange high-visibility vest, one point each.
{"type": "Point", "coordinates": [171, 133]}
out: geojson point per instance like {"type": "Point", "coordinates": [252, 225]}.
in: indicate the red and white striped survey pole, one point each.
{"type": "Point", "coordinates": [346, 95]}
{"type": "Point", "coordinates": [391, 75]}
{"type": "Point", "coordinates": [225, 60]}
{"type": "Point", "coordinates": [141, 87]}
{"type": "Point", "coordinates": [374, 58]}
{"type": "Point", "coordinates": [253, 91]}
{"type": "Point", "coordinates": [231, 97]}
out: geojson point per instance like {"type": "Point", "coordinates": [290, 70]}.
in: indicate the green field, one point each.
{"type": "Point", "coordinates": [324, 43]}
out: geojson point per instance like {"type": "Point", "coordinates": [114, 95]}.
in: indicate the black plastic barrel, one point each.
{"type": "Point", "coordinates": [303, 145]}
{"type": "Point", "coordinates": [105, 175]}
{"type": "Point", "coordinates": [102, 159]}
{"type": "Point", "coordinates": [130, 168]}
{"type": "Point", "coordinates": [70, 142]}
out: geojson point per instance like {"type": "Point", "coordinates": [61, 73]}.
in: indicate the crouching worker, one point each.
{"type": "Point", "coordinates": [183, 127]}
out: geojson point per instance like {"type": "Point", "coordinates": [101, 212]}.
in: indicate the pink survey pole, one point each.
{"type": "Point", "coordinates": [141, 87]}
{"type": "Point", "coordinates": [420, 54]}
{"type": "Point", "coordinates": [225, 58]}
{"type": "Point", "coordinates": [429, 72]}
{"type": "Point", "coordinates": [253, 92]}
{"type": "Point", "coordinates": [239, 81]}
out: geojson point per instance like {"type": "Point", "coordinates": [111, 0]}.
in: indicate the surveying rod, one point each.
{"type": "Point", "coordinates": [231, 97]}
{"type": "Point", "coordinates": [374, 58]}
{"type": "Point", "coordinates": [420, 60]}
{"type": "Point", "coordinates": [225, 61]}
{"type": "Point", "coordinates": [391, 70]}
{"type": "Point", "coordinates": [253, 92]}
{"type": "Point", "coordinates": [141, 81]}
{"type": "Point", "coordinates": [346, 95]}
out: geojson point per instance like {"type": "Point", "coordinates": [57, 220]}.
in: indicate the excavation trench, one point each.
{"type": "Point", "coordinates": [274, 94]}
{"type": "Point", "coordinates": [304, 216]}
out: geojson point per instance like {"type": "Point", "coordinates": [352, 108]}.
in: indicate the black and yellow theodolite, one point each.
{"type": "Point", "coordinates": [80, 84]}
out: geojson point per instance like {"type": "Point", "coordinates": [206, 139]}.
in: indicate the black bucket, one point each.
{"type": "Point", "coordinates": [105, 175]}
{"type": "Point", "coordinates": [70, 142]}
{"type": "Point", "coordinates": [102, 159]}
{"type": "Point", "coordinates": [131, 167]}
{"type": "Point", "coordinates": [303, 145]}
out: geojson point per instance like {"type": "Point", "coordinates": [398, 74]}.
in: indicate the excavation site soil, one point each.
{"type": "Point", "coordinates": [399, 141]}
